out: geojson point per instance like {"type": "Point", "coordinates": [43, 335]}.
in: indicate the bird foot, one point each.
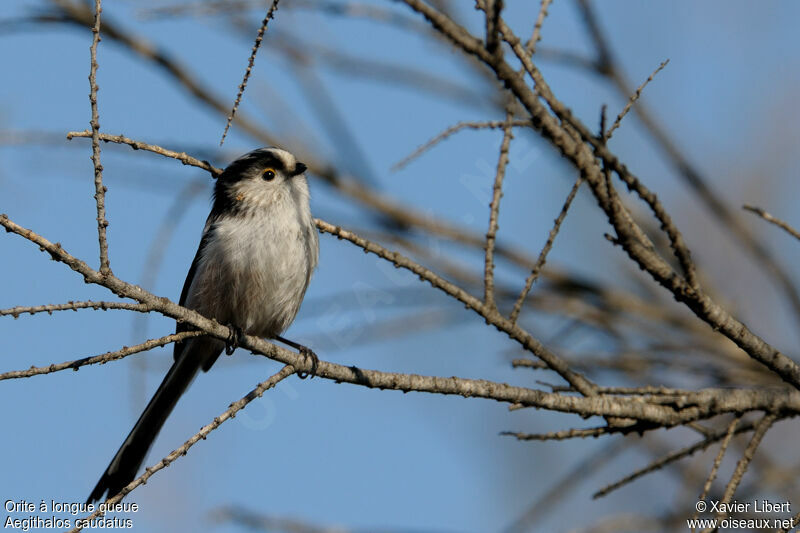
{"type": "Point", "coordinates": [308, 353]}
{"type": "Point", "coordinates": [234, 339]}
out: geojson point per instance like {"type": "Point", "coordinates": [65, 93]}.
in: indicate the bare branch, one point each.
{"type": "Point", "coordinates": [100, 359]}
{"type": "Point", "coordinates": [769, 218]}
{"type": "Point", "coordinates": [491, 124]}
{"type": "Point", "coordinates": [250, 62]}
{"type": "Point", "coordinates": [527, 363]}
{"type": "Point", "coordinates": [671, 458]}
{"type": "Point", "coordinates": [718, 461]}
{"type": "Point", "coordinates": [741, 467]}
{"type": "Point", "coordinates": [229, 413]}
{"type": "Point", "coordinates": [494, 212]}
{"type": "Point", "coordinates": [537, 268]}
{"type": "Point", "coordinates": [530, 46]}
{"type": "Point", "coordinates": [73, 306]}
{"type": "Point", "coordinates": [137, 145]}
{"type": "Point", "coordinates": [632, 100]}
{"type": "Point", "coordinates": [100, 189]}
{"type": "Point", "coordinates": [579, 433]}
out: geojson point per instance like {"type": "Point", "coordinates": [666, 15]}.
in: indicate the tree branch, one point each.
{"type": "Point", "coordinates": [773, 220]}
{"type": "Point", "coordinates": [72, 306]}
{"type": "Point", "coordinates": [100, 189]}
{"type": "Point", "coordinates": [229, 413]}
{"type": "Point", "coordinates": [101, 359]}
{"type": "Point", "coordinates": [250, 62]}
{"type": "Point", "coordinates": [494, 213]}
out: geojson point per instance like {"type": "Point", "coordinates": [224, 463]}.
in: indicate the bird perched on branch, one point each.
{"type": "Point", "coordinates": [258, 250]}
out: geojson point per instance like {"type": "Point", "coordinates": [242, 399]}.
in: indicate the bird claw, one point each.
{"type": "Point", "coordinates": [308, 353]}
{"type": "Point", "coordinates": [234, 339]}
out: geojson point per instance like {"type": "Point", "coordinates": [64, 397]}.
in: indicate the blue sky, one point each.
{"type": "Point", "coordinates": [338, 454]}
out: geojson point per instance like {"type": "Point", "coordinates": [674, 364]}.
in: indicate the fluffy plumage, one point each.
{"type": "Point", "coordinates": [258, 250]}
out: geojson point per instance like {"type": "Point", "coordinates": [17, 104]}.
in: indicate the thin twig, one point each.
{"type": "Point", "coordinates": [101, 359]}
{"type": "Point", "coordinates": [494, 212]}
{"type": "Point", "coordinates": [73, 306]}
{"type": "Point", "coordinates": [741, 467]}
{"type": "Point", "coordinates": [769, 218]}
{"type": "Point", "coordinates": [579, 433]}
{"type": "Point", "coordinates": [670, 458]}
{"type": "Point", "coordinates": [138, 145]}
{"type": "Point", "coordinates": [250, 63]}
{"type": "Point", "coordinates": [229, 413]}
{"type": "Point", "coordinates": [527, 363]}
{"type": "Point", "coordinates": [632, 100]}
{"type": "Point", "coordinates": [100, 189]}
{"type": "Point", "coordinates": [537, 268]}
{"type": "Point", "coordinates": [490, 124]}
{"type": "Point", "coordinates": [717, 461]}
{"type": "Point", "coordinates": [530, 46]}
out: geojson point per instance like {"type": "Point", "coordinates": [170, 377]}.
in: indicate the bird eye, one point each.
{"type": "Point", "coordinates": [269, 174]}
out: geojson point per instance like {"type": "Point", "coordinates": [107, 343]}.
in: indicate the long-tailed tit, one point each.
{"type": "Point", "coordinates": [258, 250]}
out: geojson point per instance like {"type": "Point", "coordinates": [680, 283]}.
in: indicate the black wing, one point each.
{"type": "Point", "coordinates": [182, 326]}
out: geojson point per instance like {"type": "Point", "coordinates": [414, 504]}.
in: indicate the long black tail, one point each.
{"type": "Point", "coordinates": [123, 467]}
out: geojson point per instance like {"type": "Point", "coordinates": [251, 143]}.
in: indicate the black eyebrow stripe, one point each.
{"type": "Point", "coordinates": [270, 160]}
{"type": "Point", "coordinates": [242, 164]}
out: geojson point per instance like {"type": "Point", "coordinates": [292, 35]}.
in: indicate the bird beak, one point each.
{"type": "Point", "coordinates": [299, 168]}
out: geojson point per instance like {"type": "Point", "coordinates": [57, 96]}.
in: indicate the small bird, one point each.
{"type": "Point", "coordinates": [257, 252]}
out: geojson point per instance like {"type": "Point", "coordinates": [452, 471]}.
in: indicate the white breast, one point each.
{"type": "Point", "coordinates": [255, 269]}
